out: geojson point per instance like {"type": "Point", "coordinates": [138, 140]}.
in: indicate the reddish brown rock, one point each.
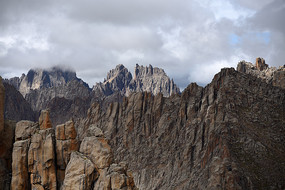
{"type": "Point", "coordinates": [44, 120]}
{"type": "Point", "coordinates": [260, 64]}
{"type": "Point", "coordinates": [66, 143]}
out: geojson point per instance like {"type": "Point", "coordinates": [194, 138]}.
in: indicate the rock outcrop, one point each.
{"type": "Point", "coordinates": [152, 80]}
{"type": "Point", "coordinates": [118, 80]}
{"type": "Point", "coordinates": [66, 143]}
{"type": "Point", "coordinates": [271, 75]}
{"type": "Point", "coordinates": [33, 156]}
{"type": "Point", "coordinates": [228, 135]}
{"type": "Point", "coordinates": [80, 173]}
{"type": "Point", "coordinates": [43, 158]}
{"type": "Point", "coordinates": [93, 166]}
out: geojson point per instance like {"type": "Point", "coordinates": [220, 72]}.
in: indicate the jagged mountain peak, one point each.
{"type": "Point", "coordinates": [143, 71]}
{"type": "Point", "coordinates": [119, 72]}
{"type": "Point", "coordinates": [146, 78]}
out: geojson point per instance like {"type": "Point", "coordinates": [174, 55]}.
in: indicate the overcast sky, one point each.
{"type": "Point", "coordinates": [190, 39]}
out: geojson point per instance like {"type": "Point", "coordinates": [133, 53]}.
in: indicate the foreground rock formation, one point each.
{"type": "Point", "coordinates": [228, 135]}
{"type": "Point", "coordinates": [43, 158]}
{"type": "Point", "coordinates": [6, 143]}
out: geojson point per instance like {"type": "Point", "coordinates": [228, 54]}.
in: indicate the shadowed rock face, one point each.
{"type": "Point", "coordinates": [40, 86]}
{"type": "Point", "coordinates": [228, 135]}
{"type": "Point", "coordinates": [16, 107]}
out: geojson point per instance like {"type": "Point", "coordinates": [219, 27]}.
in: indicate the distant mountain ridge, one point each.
{"type": "Point", "coordinates": [48, 88]}
{"type": "Point", "coordinates": [150, 79]}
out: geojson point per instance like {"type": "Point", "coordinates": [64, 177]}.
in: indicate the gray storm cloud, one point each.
{"type": "Point", "coordinates": [191, 40]}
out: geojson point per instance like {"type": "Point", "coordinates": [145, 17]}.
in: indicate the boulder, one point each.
{"type": "Point", "coordinates": [80, 173]}
{"type": "Point", "coordinates": [98, 150]}
{"type": "Point", "coordinates": [24, 130]}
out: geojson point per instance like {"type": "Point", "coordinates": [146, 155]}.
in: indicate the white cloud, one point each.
{"type": "Point", "coordinates": [190, 39]}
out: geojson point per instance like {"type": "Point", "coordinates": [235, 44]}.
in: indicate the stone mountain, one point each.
{"type": "Point", "coordinates": [68, 96]}
{"type": "Point", "coordinates": [226, 135]}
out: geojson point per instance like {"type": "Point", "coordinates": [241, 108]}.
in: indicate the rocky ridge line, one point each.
{"type": "Point", "coordinates": [272, 75]}
{"type": "Point", "coordinates": [228, 135]}
{"type": "Point", "coordinates": [150, 79]}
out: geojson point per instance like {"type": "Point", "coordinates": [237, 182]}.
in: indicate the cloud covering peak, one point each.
{"type": "Point", "coordinates": [190, 39]}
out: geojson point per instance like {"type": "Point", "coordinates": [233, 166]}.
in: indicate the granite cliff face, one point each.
{"type": "Point", "coordinates": [148, 79]}
{"type": "Point", "coordinates": [44, 158]}
{"type": "Point", "coordinates": [228, 135]}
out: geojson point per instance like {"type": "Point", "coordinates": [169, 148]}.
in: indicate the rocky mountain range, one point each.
{"type": "Point", "coordinates": [68, 96]}
{"type": "Point", "coordinates": [141, 133]}
{"type": "Point", "coordinates": [149, 79]}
